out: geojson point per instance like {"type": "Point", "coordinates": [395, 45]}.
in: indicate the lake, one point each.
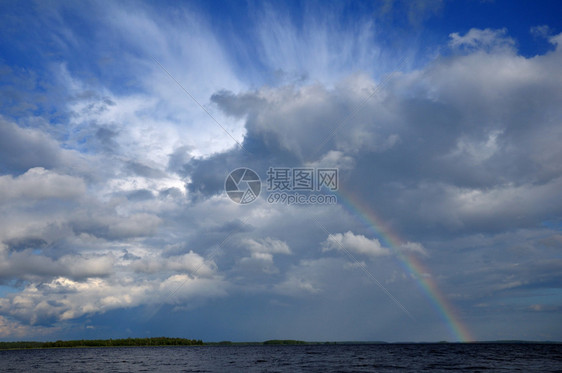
{"type": "Point", "coordinates": [310, 358]}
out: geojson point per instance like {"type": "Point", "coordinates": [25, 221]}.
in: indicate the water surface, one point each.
{"type": "Point", "coordinates": [298, 358]}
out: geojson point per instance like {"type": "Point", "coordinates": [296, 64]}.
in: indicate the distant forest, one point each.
{"type": "Point", "coordinates": [165, 341]}
{"type": "Point", "coordinates": [158, 341]}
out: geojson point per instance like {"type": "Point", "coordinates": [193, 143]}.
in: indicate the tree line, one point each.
{"type": "Point", "coordinates": [157, 341]}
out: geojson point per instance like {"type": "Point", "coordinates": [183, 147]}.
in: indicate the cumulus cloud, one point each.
{"type": "Point", "coordinates": [38, 183]}
{"type": "Point", "coordinates": [413, 247]}
{"type": "Point", "coordinates": [24, 148]}
{"type": "Point", "coordinates": [261, 254]}
{"type": "Point", "coordinates": [13, 329]}
{"type": "Point", "coordinates": [66, 299]}
{"type": "Point", "coordinates": [358, 244]}
{"type": "Point", "coordinates": [32, 266]}
{"type": "Point", "coordinates": [309, 120]}
{"type": "Point", "coordinates": [304, 279]}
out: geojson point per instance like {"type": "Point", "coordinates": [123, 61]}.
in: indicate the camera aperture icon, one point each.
{"type": "Point", "coordinates": [243, 185]}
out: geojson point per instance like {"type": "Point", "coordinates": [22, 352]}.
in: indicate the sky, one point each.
{"type": "Point", "coordinates": [121, 121]}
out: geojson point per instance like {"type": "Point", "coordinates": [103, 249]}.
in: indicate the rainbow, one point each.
{"type": "Point", "coordinates": [412, 265]}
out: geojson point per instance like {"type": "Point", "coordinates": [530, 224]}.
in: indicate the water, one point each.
{"type": "Point", "coordinates": [309, 358]}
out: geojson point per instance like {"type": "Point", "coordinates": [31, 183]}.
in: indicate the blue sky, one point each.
{"type": "Point", "coordinates": [443, 119]}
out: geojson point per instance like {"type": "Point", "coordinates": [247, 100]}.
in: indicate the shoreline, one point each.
{"type": "Point", "coordinates": [181, 342]}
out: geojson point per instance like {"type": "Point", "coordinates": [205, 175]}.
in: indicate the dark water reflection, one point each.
{"type": "Point", "coordinates": [314, 358]}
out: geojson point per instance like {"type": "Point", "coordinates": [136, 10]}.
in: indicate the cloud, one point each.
{"type": "Point", "coordinates": [32, 266]}
{"type": "Point", "coordinates": [304, 279]}
{"type": "Point", "coordinates": [309, 120]}
{"type": "Point", "coordinates": [191, 262]}
{"type": "Point", "coordinates": [113, 187]}
{"type": "Point", "coordinates": [413, 247]}
{"type": "Point", "coordinates": [358, 244]}
{"type": "Point", "coordinates": [25, 148]}
{"type": "Point", "coordinates": [65, 299]}
{"type": "Point", "coordinates": [266, 245]}
{"type": "Point", "coordinates": [542, 31]}
{"type": "Point", "coordinates": [11, 329]}
{"type": "Point", "coordinates": [38, 183]}
{"type": "Point", "coordinates": [115, 227]}
{"type": "Point", "coordinates": [478, 39]}
{"type": "Point", "coordinates": [261, 255]}
{"type": "Point", "coordinates": [185, 288]}
{"type": "Point", "coordinates": [466, 159]}
{"type": "Point", "coordinates": [325, 50]}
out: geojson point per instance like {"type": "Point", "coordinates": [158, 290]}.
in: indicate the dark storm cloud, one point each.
{"type": "Point", "coordinates": [24, 148]}
{"type": "Point", "coordinates": [470, 145]}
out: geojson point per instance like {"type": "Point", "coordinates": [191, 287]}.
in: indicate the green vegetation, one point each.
{"type": "Point", "coordinates": [271, 342]}
{"type": "Point", "coordinates": [284, 342]}
{"type": "Point", "coordinates": [223, 343]}
{"type": "Point", "coordinates": [165, 341]}
{"type": "Point", "coordinates": [159, 341]}
{"type": "Point", "coordinates": [20, 345]}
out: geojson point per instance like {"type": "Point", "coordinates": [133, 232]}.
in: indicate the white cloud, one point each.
{"type": "Point", "coordinates": [334, 159]}
{"type": "Point", "coordinates": [65, 299]}
{"type": "Point", "coordinates": [32, 266]}
{"type": "Point", "coordinates": [304, 279]}
{"type": "Point", "coordinates": [477, 151]}
{"type": "Point", "coordinates": [509, 200]}
{"type": "Point", "coordinates": [486, 39]}
{"type": "Point", "coordinates": [13, 329]}
{"type": "Point", "coordinates": [261, 255]}
{"type": "Point", "coordinates": [38, 183]}
{"type": "Point", "coordinates": [321, 51]}
{"type": "Point", "coordinates": [543, 31]}
{"type": "Point", "coordinates": [356, 244]}
{"type": "Point", "coordinates": [414, 247]}
{"type": "Point", "coordinates": [183, 288]}
{"type": "Point", "coordinates": [191, 52]}
{"type": "Point", "coordinates": [298, 286]}
{"type": "Point", "coordinates": [314, 122]}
